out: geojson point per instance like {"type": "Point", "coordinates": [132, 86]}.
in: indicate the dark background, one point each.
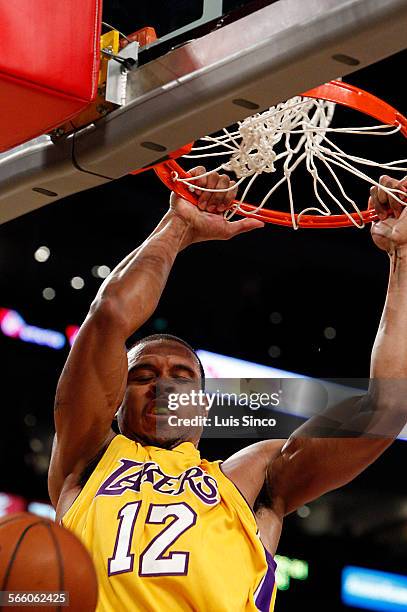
{"type": "Point", "coordinates": [219, 297]}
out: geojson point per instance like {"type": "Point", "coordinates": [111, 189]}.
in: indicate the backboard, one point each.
{"type": "Point", "coordinates": [217, 65]}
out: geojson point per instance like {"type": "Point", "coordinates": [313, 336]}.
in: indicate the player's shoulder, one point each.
{"type": "Point", "coordinates": [258, 455]}
{"type": "Point", "coordinates": [247, 468]}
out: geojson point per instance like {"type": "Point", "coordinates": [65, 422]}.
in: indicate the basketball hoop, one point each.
{"type": "Point", "coordinates": [302, 128]}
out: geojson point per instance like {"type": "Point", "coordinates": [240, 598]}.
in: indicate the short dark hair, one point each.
{"type": "Point", "coordinates": [171, 338]}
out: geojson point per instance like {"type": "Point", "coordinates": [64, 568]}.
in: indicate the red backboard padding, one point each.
{"type": "Point", "coordinates": [49, 64]}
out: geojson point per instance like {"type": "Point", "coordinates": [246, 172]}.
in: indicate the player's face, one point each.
{"type": "Point", "coordinates": [156, 371]}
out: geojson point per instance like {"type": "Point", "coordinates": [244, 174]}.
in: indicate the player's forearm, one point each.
{"type": "Point", "coordinates": [386, 400]}
{"type": "Point", "coordinates": [389, 355]}
{"type": "Point", "coordinates": [136, 284]}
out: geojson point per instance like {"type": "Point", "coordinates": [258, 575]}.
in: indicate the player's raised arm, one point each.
{"type": "Point", "coordinates": [93, 381]}
{"type": "Point", "coordinates": [331, 449]}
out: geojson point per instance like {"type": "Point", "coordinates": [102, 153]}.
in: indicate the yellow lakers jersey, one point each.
{"type": "Point", "coordinates": [168, 530]}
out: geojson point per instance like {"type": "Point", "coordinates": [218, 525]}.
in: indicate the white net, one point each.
{"type": "Point", "coordinates": [284, 137]}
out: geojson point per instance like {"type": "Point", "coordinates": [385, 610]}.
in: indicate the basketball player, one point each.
{"type": "Point", "coordinates": [167, 529]}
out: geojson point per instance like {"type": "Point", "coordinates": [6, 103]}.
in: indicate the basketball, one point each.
{"type": "Point", "coordinates": [38, 555]}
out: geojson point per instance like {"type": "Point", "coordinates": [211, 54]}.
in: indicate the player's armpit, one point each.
{"type": "Point", "coordinates": [90, 389]}
{"type": "Point", "coordinates": [63, 489]}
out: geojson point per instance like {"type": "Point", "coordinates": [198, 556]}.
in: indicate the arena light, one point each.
{"type": "Point", "coordinates": [48, 293]}
{"type": "Point", "coordinates": [42, 509]}
{"type": "Point", "coordinates": [71, 333]}
{"type": "Point", "coordinates": [42, 254]}
{"type": "Point", "coordinates": [374, 590]}
{"type": "Point", "coordinates": [77, 282]}
{"type": "Point", "coordinates": [222, 366]}
{"type": "Point", "coordinates": [11, 503]}
{"type": "Point", "coordinates": [288, 569]}
{"type": "Point", "coordinates": [13, 325]}
{"type": "Point", "coordinates": [101, 271]}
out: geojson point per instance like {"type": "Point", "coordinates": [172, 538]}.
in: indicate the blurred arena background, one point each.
{"type": "Point", "coordinates": [308, 302]}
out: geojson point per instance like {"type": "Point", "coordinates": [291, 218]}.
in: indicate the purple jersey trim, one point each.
{"type": "Point", "coordinates": [270, 560]}
{"type": "Point", "coordinates": [264, 594]}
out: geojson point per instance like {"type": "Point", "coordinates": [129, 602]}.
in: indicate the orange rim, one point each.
{"type": "Point", "coordinates": [335, 91]}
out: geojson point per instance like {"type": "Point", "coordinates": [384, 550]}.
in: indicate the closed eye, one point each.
{"type": "Point", "coordinates": [141, 375]}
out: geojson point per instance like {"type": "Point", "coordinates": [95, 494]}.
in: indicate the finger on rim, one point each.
{"type": "Point", "coordinates": [211, 183]}
{"type": "Point", "coordinates": [395, 207]}
{"type": "Point", "coordinates": [230, 196]}
{"type": "Point", "coordinates": [374, 202]}
{"type": "Point", "coordinates": [216, 202]}
{"type": "Point", "coordinates": [201, 182]}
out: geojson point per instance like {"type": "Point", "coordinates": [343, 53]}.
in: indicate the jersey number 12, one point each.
{"type": "Point", "coordinates": [153, 560]}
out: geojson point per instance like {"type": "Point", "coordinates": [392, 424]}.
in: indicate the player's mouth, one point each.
{"type": "Point", "coordinates": [158, 407]}
{"type": "Point", "coordinates": [160, 410]}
